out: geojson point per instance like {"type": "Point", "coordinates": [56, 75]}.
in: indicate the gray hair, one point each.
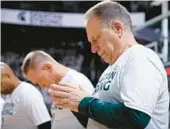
{"type": "Point", "coordinates": [107, 11]}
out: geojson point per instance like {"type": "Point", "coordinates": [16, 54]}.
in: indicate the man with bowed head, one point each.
{"type": "Point", "coordinates": [41, 69]}
{"type": "Point", "coordinates": [132, 92]}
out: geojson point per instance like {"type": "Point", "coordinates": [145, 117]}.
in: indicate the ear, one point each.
{"type": "Point", "coordinates": [117, 27]}
{"type": "Point", "coordinates": [48, 67]}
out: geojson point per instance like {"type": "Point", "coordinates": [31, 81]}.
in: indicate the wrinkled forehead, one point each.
{"type": "Point", "coordinates": [93, 28]}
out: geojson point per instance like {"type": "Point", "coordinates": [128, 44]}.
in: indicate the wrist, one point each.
{"type": "Point", "coordinates": [83, 106]}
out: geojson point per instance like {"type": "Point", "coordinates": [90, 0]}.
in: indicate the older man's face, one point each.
{"type": "Point", "coordinates": [104, 41]}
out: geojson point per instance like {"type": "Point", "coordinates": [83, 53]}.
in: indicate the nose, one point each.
{"type": "Point", "coordinates": [94, 48]}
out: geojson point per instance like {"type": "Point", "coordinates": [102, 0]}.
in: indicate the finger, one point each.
{"type": "Point", "coordinates": [68, 85]}
{"type": "Point", "coordinates": [58, 101]}
{"type": "Point", "coordinates": [53, 86]}
{"type": "Point", "coordinates": [55, 99]}
{"type": "Point", "coordinates": [64, 106]}
{"type": "Point", "coordinates": [60, 88]}
{"type": "Point", "coordinates": [65, 101]}
{"type": "Point", "coordinates": [58, 93]}
{"type": "Point", "coordinates": [60, 106]}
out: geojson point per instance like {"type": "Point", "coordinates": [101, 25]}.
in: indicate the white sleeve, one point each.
{"type": "Point", "coordinates": [2, 104]}
{"type": "Point", "coordinates": [139, 85]}
{"type": "Point", "coordinates": [36, 109]}
{"type": "Point", "coordinates": [1, 108]}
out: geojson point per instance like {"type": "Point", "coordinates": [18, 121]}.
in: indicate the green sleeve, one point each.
{"type": "Point", "coordinates": [113, 114]}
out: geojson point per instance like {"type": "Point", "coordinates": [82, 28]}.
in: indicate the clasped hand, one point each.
{"type": "Point", "coordinates": [67, 96]}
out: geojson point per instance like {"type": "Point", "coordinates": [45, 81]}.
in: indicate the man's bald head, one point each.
{"type": "Point", "coordinates": [41, 69]}
{"type": "Point", "coordinates": [8, 79]}
{"type": "Point", "coordinates": [33, 59]}
{"type": "Point", "coordinates": [5, 70]}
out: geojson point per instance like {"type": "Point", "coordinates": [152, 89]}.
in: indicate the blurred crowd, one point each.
{"type": "Point", "coordinates": [68, 58]}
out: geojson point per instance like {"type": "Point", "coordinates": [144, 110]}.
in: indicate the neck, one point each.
{"type": "Point", "coordinates": [128, 42]}
{"type": "Point", "coordinates": [16, 83]}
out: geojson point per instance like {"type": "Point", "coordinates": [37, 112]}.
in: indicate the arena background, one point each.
{"type": "Point", "coordinates": [57, 27]}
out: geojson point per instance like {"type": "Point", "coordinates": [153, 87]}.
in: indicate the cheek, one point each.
{"type": "Point", "coordinates": [6, 85]}
{"type": "Point", "coordinates": [43, 78]}
{"type": "Point", "coordinates": [111, 46]}
{"type": "Point", "coordinates": [47, 77]}
{"type": "Point", "coordinates": [111, 41]}
{"type": "Point", "coordinates": [103, 43]}
{"type": "Point", "coordinates": [107, 45]}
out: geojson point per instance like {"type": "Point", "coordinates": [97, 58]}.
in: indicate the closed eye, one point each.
{"type": "Point", "coordinates": [95, 40]}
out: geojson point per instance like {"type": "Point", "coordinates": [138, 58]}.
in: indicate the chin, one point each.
{"type": "Point", "coordinates": [105, 59]}
{"type": "Point", "coordinates": [108, 61]}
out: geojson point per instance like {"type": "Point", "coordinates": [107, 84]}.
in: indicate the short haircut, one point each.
{"type": "Point", "coordinates": [33, 58]}
{"type": "Point", "coordinates": [107, 11]}
{"type": "Point", "coordinates": [6, 70]}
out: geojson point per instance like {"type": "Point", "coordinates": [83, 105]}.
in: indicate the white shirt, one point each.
{"type": "Point", "coordinates": [64, 119]}
{"type": "Point", "coordinates": [137, 79]}
{"type": "Point", "coordinates": [25, 109]}
{"type": "Point", "coordinates": [1, 108]}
